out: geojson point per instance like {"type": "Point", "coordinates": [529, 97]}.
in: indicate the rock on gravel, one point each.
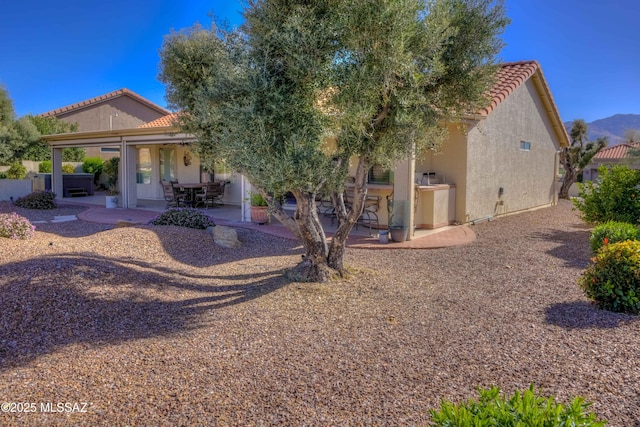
{"type": "Point", "coordinates": [158, 325]}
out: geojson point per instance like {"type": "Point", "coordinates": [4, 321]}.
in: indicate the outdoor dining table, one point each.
{"type": "Point", "coordinates": [191, 188]}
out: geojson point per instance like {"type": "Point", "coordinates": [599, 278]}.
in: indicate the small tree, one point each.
{"type": "Point", "coordinates": [378, 78]}
{"type": "Point", "coordinates": [578, 155]}
{"type": "Point", "coordinates": [40, 150]}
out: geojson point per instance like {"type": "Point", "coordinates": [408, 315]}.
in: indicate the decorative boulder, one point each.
{"type": "Point", "coordinates": [225, 236]}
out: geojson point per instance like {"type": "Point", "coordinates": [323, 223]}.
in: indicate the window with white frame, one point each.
{"type": "Point", "coordinates": [525, 146]}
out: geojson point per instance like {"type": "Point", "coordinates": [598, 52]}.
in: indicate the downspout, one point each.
{"type": "Point", "coordinates": [556, 170]}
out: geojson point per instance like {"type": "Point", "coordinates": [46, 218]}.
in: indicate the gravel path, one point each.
{"type": "Point", "coordinates": [157, 326]}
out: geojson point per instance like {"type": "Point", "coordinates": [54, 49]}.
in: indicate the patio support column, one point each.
{"type": "Point", "coordinates": [56, 172]}
{"type": "Point", "coordinates": [129, 183]}
{"type": "Point", "coordinates": [404, 194]}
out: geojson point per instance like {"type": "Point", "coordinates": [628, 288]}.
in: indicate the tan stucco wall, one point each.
{"type": "Point", "coordinates": [495, 159]}
{"type": "Point", "coordinates": [131, 114]}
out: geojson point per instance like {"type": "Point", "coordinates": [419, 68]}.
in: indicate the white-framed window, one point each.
{"type": "Point", "coordinates": [109, 150]}
{"type": "Point", "coordinates": [525, 145]}
{"type": "Point", "coordinates": [143, 166]}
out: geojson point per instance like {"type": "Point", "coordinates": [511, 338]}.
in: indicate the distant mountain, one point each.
{"type": "Point", "coordinates": [613, 127]}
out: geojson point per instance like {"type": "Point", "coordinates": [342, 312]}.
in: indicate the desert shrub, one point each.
{"type": "Point", "coordinates": [17, 171]}
{"type": "Point", "coordinates": [44, 166]}
{"type": "Point", "coordinates": [3, 175]}
{"type": "Point", "coordinates": [15, 226]}
{"type": "Point", "coordinates": [613, 280]}
{"type": "Point", "coordinates": [38, 200]}
{"type": "Point", "coordinates": [521, 409]}
{"type": "Point", "coordinates": [191, 218]}
{"type": "Point", "coordinates": [93, 165]}
{"type": "Point", "coordinates": [615, 197]}
{"type": "Point", "coordinates": [612, 232]}
{"type": "Point", "coordinates": [67, 168]}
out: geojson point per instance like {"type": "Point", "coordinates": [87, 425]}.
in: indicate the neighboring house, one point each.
{"type": "Point", "coordinates": [612, 156]}
{"type": "Point", "coordinates": [501, 160]}
{"type": "Point", "coordinates": [120, 109]}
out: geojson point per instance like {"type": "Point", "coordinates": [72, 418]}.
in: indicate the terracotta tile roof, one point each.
{"type": "Point", "coordinates": [163, 121]}
{"type": "Point", "coordinates": [102, 98]}
{"type": "Point", "coordinates": [510, 76]}
{"type": "Point", "coordinates": [616, 152]}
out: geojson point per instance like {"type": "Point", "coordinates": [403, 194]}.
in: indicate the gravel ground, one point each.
{"type": "Point", "coordinates": [158, 326]}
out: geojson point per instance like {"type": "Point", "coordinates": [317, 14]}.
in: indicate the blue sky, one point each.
{"type": "Point", "coordinates": [58, 53]}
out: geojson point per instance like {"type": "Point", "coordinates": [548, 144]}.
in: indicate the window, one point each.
{"type": "Point", "coordinates": [167, 164]}
{"type": "Point", "coordinates": [378, 175]}
{"type": "Point", "coordinates": [525, 146]}
{"type": "Point", "coordinates": [109, 150]}
{"type": "Point", "coordinates": [143, 166]}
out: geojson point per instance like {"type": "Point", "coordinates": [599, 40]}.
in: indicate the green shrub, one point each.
{"type": "Point", "coordinates": [44, 166]}
{"type": "Point", "coordinates": [615, 197]}
{"type": "Point", "coordinates": [520, 410]}
{"type": "Point", "coordinates": [15, 226]}
{"type": "Point", "coordinates": [93, 165]}
{"type": "Point", "coordinates": [67, 168]}
{"type": "Point", "coordinates": [17, 171]}
{"type": "Point", "coordinates": [191, 218]}
{"type": "Point", "coordinates": [3, 175]}
{"type": "Point", "coordinates": [256, 199]}
{"type": "Point", "coordinates": [613, 280]}
{"type": "Point", "coordinates": [37, 200]}
{"type": "Point", "coordinates": [612, 232]}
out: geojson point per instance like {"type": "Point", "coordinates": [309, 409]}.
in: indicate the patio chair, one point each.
{"type": "Point", "coordinates": [172, 198]}
{"type": "Point", "coordinates": [212, 194]}
{"type": "Point", "coordinates": [369, 216]}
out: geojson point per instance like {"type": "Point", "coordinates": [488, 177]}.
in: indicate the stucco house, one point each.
{"type": "Point", "coordinates": [120, 109]}
{"type": "Point", "coordinates": [612, 156]}
{"type": "Point", "coordinates": [501, 160]}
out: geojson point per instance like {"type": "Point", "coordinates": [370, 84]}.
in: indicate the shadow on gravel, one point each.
{"type": "Point", "coordinates": [63, 300]}
{"type": "Point", "coordinates": [572, 246]}
{"type": "Point", "coordinates": [583, 315]}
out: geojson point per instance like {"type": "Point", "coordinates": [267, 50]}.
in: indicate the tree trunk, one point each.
{"type": "Point", "coordinates": [570, 177]}
{"type": "Point", "coordinates": [321, 261]}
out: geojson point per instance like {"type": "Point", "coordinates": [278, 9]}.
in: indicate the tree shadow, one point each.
{"type": "Point", "coordinates": [572, 246]}
{"type": "Point", "coordinates": [584, 315]}
{"type": "Point", "coordinates": [58, 301]}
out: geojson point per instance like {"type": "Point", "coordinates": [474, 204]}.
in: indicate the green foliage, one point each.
{"type": "Point", "coordinates": [380, 77]}
{"type": "Point", "coordinates": [578, 155]}
{"type": "Point", "coordinates": [615, 197]}
{"type": "Point", "coordinates": [67, 168]}
{"type": "Point", "coordinates": [522, 409]}
{"type": "Point", "coordinates": [15, 226]}
{"type": "Point", "coordinates": [16, 135]}
{"type": "Point", "coordinates": [613, 280]}
{"type": "Point", "coordinates": [256, 199]}
{"type": "Point", "coordinates": [44, 166]}
{"type": "Point", "coordinates": [110, 167]}
{"type": "Point", "coordinates": [37, 200]}
{"type": "Point", "coordinates": [3, 175]}
{"type": "Point", "coordinates": [190, 218]}
{"type": "Point", "coordinates": [612, 232]}
{"type": "Point", "coordinates": [17, 171]}
{"type": "Point", "coordinates": [93, 165]}
{"type": "Point", "coordinates": [73, 154]}
{"type": "Point", "coordinates": [39, 150]}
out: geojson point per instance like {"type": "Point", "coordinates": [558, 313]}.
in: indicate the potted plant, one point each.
{"type": "Point", "coordinates": [110, 167]}
{"type": "Point", "coordinates": [259, 209]}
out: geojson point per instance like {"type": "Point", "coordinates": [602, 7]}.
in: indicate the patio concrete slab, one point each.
{"type": "Point", "coordinates": [424, 239]}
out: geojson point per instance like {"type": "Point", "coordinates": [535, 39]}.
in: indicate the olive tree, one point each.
{"type": "Point", "coordinates": [302, 89]}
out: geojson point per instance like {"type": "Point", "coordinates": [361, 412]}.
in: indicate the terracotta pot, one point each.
{"type": "Point", "coordinates": [259, 214]}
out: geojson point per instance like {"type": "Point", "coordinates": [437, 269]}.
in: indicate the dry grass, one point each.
{"type": "Point", "coordinates": [159, 326]}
